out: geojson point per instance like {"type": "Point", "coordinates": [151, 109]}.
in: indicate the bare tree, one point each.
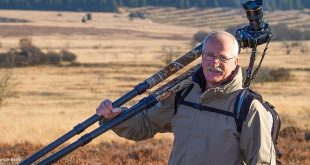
{"type": "Point", "coordinates": [169, 54]}
{"type": "Point", "coordinates": [137, 51]}
{"type": "Point", "coordinates": [304, 48]}
{"type": "Point", "coordinates": [8, 84]}
{"type": "Point", "coordinates": [289, 46]}
{"type": "Point", "coordinates": [95, 82]}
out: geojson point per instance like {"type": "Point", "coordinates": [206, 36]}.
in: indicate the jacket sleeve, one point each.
{"type": "Point", "coordinates": [149, 122]}
{"type": "Point", "coordinates": [255, 140]}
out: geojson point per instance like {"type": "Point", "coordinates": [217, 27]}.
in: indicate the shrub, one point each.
{"type": "Point", "coordinates": [137, 14]}
{"type": "Point", "coordinates": [7, 59]}
{"type": "Point", "coordinates": [271, 75]}
{"type": "Point", "coordinates": [33, 54]}
{"type": "Point", "coordinates": [67, 55]}
{"type": "Point", "coordinates": [83, 19]}
{"type": "Point", "coordinates": [6, 19]}
{"type": "Point", "coordinates": [198, 37]}
{"type": "Point", "coordinates": [88, 16]}
{"type": "Point", "coordinates": [29, 54]}
{"type": "Point", "coordinates": [52, 58]}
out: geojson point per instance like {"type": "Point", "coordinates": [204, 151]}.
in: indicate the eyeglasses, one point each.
{"type": "Point", "coordinates": [211, 57]}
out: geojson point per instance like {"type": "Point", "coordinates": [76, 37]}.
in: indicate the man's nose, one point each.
{"type": "Point", "coordinates": [216, 60]}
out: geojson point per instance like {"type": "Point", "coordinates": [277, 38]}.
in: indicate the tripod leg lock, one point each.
{"type": "Point", "coordinates": [142, 87]}
{"type": "Point", "coordinates": [149, 101]}
{"type": "Point", "coordinates": [79, 128]}
{"type": "Point", "coordinates": [86, 139]}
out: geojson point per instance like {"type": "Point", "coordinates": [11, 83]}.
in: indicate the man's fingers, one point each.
{"type": "Point", "coordinates": [106, 110]}
{"type": "Point", "coordinates": [117, 110]}
{"type": "Point", "coordinates": [98, 112]}
{"type": "Point", "coordinates": [113, 113]}
{"type": "Point", "coordinates": [108, 104]}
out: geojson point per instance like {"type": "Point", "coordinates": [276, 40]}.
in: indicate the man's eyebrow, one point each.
{"type": "Point", "coordinates": [222, 55]}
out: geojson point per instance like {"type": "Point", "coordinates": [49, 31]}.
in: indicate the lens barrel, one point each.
{"type": "Point", "coordinates": [254, 14]}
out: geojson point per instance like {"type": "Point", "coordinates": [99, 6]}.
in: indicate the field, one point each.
{"type": "Point", "coordinates": [116, 53]}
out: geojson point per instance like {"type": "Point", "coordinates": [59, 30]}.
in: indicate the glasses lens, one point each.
{"type": "Point", "coordinates": [223, 59]}
{"type": "Point", "coordinates": [211, 57]}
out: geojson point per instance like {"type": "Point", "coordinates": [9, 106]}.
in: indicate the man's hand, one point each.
{"type": "Point", "coordinates": [106, 110]}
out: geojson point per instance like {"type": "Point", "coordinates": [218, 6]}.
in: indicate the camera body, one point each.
{"type": "Point", "coordinates": [257, 32]}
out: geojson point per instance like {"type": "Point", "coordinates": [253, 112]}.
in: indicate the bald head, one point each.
{"type": "Point", "coordinates": [227, 37]}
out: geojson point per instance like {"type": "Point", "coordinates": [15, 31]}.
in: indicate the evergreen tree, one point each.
{"type": "Point", "coordinates": [111, 5]}
{"type": "Point", "coordinates": [132, 3]}
{"type": "Point", "coordinates": [142, 3]}
{"type": "Point", "coordinates": [183, 4]}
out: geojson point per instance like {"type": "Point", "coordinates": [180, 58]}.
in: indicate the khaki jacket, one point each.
{"type": "Point", "coordinates": [202, 137]}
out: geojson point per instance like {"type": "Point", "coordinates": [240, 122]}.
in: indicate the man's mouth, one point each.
{"type": "Point", "coordinates": [215, 69]}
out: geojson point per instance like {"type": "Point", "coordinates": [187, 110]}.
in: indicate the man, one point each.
{"type": "Point", "coordinates": [204, 137]}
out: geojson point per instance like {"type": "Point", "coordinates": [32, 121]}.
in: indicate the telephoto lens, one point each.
{"type": "Point", "coordinates": [254, 13]}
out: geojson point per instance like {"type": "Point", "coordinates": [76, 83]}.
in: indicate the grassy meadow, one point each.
{"type": "Point", "coordinates": [115, 53]}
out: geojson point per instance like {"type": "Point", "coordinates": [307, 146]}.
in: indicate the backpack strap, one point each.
{"type": "Point", "coordinates": [206, 108]}
{"type": "Point", "coordinates": [276, 119]}
{"type": "Point", "coordinates": [275, 127]}
{"type": "Point", "coordinates": [180, 99]}
{"type": "Point", "coordinates": [180, 96]}
{"type": "Point", "coordinates": [242, 106]}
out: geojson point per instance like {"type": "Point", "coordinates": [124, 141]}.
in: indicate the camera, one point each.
{"type": "Point", "coordinates": [257, 32]}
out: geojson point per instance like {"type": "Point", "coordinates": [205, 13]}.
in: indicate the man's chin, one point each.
{"type": "Point", "coordinates": [214, 75]}
{"type": "Point", "coordinates": [214, 78]}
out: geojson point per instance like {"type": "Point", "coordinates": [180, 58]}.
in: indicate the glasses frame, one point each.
{"type": "Point", "coordinates": [220, 58]}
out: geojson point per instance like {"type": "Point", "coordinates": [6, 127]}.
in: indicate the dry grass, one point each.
{"type": "Point", "coordinates": [221, 18]}
{"type": "Point", "coordinates": [115, 54]}
{"type": "Point", "coordinates": [153, 151]}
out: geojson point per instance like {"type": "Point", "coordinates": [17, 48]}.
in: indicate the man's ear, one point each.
{"type": "Point", "coordinates": [236, 61]}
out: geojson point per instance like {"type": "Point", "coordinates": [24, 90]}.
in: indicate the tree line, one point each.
{"type": "Point", "coordinates": [112, 5]}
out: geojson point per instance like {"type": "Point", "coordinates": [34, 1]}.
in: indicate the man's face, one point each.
{"type": "Point", "coordinates": [218, 61]}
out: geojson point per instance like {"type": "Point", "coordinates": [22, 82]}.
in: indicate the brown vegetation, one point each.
{"type": "Point", "coordinates": [12, 20]}
{"type": "Point", "coordinates": [7, 84]}
{"type": "Point", "coordinates": [29, 54]}
{"type": "Point", "coordinates": [272, 75]}
{"type": "Point", "coordinates": [26, 30]}
{"type": "Point", "coordinates": [292, 144]}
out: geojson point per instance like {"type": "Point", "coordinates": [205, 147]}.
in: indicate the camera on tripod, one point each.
{"type": "Point", "coordinates": [257, 32]}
